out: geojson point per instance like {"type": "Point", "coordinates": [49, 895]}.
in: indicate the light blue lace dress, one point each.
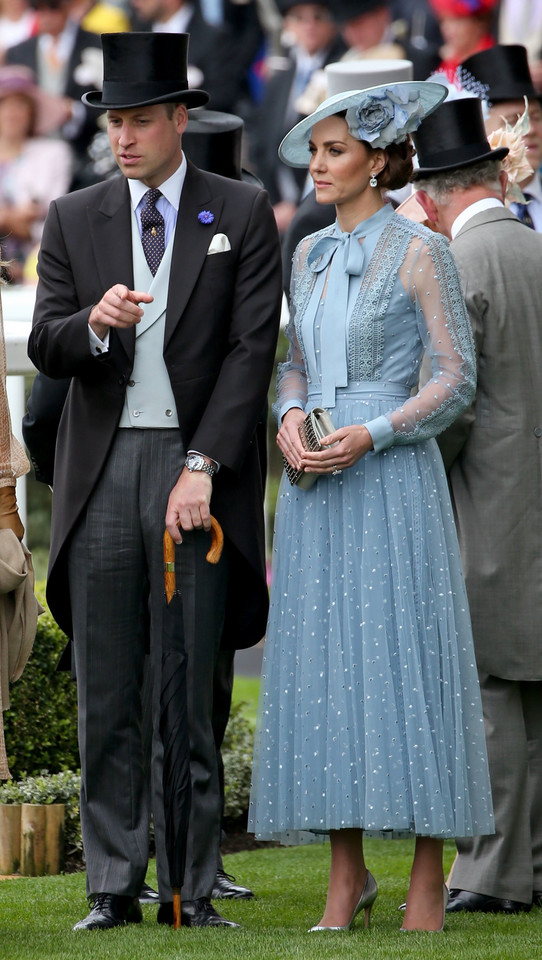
{"type": "Point", "coordinates": [370, 712]}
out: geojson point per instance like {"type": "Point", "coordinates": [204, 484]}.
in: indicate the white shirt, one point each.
{"type": "Point", "coordinates": [178, 23]}
{"type": "Point", "coordinates": [469, 212]}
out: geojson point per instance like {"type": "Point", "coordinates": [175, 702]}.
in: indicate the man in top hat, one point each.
{"type": "Point", "coordinates": [492, 454]}
{"type": "Point", "coordinates": [311, 33]}
{"type": "Point", "coordinates": [501, 77]}
{"type": "Point", "coordinates": [159, 296]}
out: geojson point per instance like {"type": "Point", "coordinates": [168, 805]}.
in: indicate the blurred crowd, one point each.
{"type": "Point", "coordinates": [262, 60]}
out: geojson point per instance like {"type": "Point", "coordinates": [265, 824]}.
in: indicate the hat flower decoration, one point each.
{"type": "Point", "coordinates": [515, 164]}
{"type": "Point", "coordinates": [387, 116]}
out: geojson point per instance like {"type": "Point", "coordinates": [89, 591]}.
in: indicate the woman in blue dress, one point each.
{"type": "Point", "coordinates": [370, 715]}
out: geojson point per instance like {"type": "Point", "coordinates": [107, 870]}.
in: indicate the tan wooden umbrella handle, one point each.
{"type": "Point", "coordinates": [213, 555]}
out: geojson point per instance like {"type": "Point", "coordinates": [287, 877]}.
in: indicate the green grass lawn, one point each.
{"type": "Point", "coordinates": [36, 916]}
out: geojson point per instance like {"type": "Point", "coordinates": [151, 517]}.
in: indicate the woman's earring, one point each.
{"type": "Point", "coordinates": [373, 182]}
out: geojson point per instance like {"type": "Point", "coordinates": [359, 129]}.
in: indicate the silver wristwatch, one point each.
{"type": "Point", "coordinates": [195, 461]}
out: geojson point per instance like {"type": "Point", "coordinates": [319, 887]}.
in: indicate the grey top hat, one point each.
{"type": "Point", "coordinates": [361, 74]}
{"type": "Point", "coordinates": [141, 69]}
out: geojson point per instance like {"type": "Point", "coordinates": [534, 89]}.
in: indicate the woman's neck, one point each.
{"type": "Point", "coordinates": [9, 149]}
{"type": "Point", "coordinates": [350, 214]}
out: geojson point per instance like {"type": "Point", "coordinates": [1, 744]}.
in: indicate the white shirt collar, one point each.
{"type": "Point", "coordinates": [469, 212]}
{"type": "Point", "coordinates": [64, 42]}
{"type": "Point", "coordinates": [171, 188]}
{"type": "Point", "coordinates": [178, 23]}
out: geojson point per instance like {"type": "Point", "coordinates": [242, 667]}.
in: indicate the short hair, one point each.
{"type": "Point", "coordinates": [439, 185]}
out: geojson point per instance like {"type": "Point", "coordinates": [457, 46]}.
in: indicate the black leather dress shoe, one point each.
{"type": "Point", "coordinates": [226, 888]}
{"type": "Point", "coordinates": [537, 898]}
{"type": "Point", "coordinates": [110, 910]}
{"type": "Point", "coordinates": [194, 913]}
{"type": "Point", "coordinates": [480, 903]}
{"type": "Point", "coordinates": [148, 895]}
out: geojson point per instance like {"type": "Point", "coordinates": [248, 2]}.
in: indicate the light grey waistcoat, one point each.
{"type": "Point", "coordinates": [149, 398]}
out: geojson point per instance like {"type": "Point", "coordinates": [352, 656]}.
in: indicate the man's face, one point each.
{"type": "Point", "coordinates": [153, 9]}
{"type": "Point", "coordinates": [311, 25]}
{"type": "Point", "coordinates": [366, 30]}
{"type": "Point", "coordinates": [51, 20]}
{"type": "Point", "coordinates": [146, 141]}
{"type": "Point", "coordinates": [511, 110]}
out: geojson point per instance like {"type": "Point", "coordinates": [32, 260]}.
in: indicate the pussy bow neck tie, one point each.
{"type": "Point", "coordinates": [343, 254]}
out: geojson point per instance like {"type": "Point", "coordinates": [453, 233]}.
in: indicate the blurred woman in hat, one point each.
{"type": "Point", "coordinates": [466, 29]}
{"type": "Point", "coordinates": [33, 169]}
{"type": "Point", "coordinates": [370, 714]}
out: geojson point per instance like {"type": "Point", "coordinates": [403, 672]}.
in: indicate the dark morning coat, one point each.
{"type": "Point", "coordinates": [221, 326]}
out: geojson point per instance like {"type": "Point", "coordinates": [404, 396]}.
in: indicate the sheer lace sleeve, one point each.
{"type": "Point", "coordinates": [291, 375]}
{"type": "Point", "coordinates": [429, 275]}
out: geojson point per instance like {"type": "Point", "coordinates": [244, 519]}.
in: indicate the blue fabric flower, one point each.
{"type": "Point", "coordinates": [385, 117]}
{"type": "Point", "coordinates": [206, 216]}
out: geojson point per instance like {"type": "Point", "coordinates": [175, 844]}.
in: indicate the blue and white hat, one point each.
{"type": "Point", "coordinates": [379, 115]}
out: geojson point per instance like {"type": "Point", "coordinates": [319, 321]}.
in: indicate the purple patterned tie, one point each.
{"type": "Point", "coordinates": [152, 231]}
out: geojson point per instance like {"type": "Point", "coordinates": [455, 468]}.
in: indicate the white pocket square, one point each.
{"type": "Point", "coordinates": [219, 244]}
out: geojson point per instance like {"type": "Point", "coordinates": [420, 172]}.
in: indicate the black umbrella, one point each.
{"type": "Point", "coordinates": [174, 719]}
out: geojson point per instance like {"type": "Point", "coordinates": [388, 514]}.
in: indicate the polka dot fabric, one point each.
{"type": "Point", "coordinates": [152, 231]}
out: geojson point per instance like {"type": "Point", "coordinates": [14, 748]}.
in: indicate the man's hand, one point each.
{"type": "Point", "coordinates": [119, 307]}
{"type": "Point", "coordinates": [189, 503]}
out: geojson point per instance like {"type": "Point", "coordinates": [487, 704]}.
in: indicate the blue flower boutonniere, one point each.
{"type": "Point", "coordinates": [206, 216]}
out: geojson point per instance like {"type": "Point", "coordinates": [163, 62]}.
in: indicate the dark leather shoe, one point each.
{"type": "Point", "coordinates": [226, 888]}
{"type": "Point", "coordinates": [537, 898]}
{"type": "Point", "coordinates": [148, 895]}
{"type": "Point", "coordinates": [480, 903]}
{"type": "Point", "coordinates": [110, 910]}
{"type": "Point", "coordinates": [194, 913]}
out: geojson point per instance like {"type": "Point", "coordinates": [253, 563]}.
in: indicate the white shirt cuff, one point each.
{"type": "Point", "coordinates": [97, 346]}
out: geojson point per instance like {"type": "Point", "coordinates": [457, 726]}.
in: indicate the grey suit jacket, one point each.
{"type": "Point", "coordinates": [494, 451]}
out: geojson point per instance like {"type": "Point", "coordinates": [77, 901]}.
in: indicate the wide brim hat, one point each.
{"type": "Point", "coordinates": [50, 110]}
{"type": "Point", "coordinates": [497, 74]}
{"type": "Point", "coordinates": [454, 136]}
{"type": "Point", "coordinates": [141, 69]}
{"type": "Point", "coordinates": [462, 8]}
{"type": "Point", "coordinates": [380, 115]}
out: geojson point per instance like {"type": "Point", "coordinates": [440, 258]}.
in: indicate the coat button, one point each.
{"type": "Point", "coordinates": [136, 413]}
{"type": "Point", "coordinates": [122, 381]}
{"type": "Point", "coordinates": [538, 431]}
{"type": "Point", "coordinates": [131, 383]}
{"type": "Point", "coordinates": [169, 413]}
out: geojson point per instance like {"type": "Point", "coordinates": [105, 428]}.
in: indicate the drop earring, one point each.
{"type": "Point", "coordinates": [373, 182]}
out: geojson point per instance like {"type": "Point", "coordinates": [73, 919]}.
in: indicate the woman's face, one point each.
{"type": "Point", "coordinates": [340, 166]}
{"type": "Point", "coordinates": [16, 115]}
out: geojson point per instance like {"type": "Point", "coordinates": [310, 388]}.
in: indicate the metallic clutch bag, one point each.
{"type": "Point", "coordinates": [317, 424]}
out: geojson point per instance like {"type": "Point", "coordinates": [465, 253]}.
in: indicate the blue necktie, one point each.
{"type": "Point", "coordinates": [152, 231]}
{"type": "Point", "coordinates": [522, 212]}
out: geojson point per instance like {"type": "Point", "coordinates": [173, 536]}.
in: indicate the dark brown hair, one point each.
{"type": "Point", "coordinates": [399, 166]}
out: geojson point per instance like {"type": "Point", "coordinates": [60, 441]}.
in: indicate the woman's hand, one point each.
{"type": "Point", "coordinates": [288, 439]}
{"type": "Point", "coordinates": [351, 444]}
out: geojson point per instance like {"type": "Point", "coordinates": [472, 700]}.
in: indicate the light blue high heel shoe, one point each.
{"type": "Point", "coordinates": [365, 902]}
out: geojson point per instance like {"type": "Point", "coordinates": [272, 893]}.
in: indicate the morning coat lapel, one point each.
{"type": "Point", "coordinates": [191, 243]}
{"type": "Point", "coordinates": [110, 232]}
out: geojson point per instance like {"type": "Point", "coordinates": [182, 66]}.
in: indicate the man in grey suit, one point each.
{"type": "Point", "coordinates": [493, 456]}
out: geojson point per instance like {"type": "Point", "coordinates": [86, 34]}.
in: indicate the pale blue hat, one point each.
{"type": "Point", "coordinates": [379, 115]}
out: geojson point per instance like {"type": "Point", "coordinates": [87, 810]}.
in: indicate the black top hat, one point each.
{"type": "Point", "coordinates": [213, 141]}
{"type": "Point", "coordinates": [497, 74]}
{"type": "Point", "coordinates": [452, 137]}
{"type": "Point", "coordinates": [345, 10]}
{"type": "Point", "coordinates": [144, 68]}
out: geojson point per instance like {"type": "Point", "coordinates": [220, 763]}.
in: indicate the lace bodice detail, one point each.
{"type": "Point", "coordinates": [408, 300]}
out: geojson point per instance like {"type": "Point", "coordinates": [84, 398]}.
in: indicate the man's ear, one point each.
{"type": "Point", "coordinates": [429, 206]}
